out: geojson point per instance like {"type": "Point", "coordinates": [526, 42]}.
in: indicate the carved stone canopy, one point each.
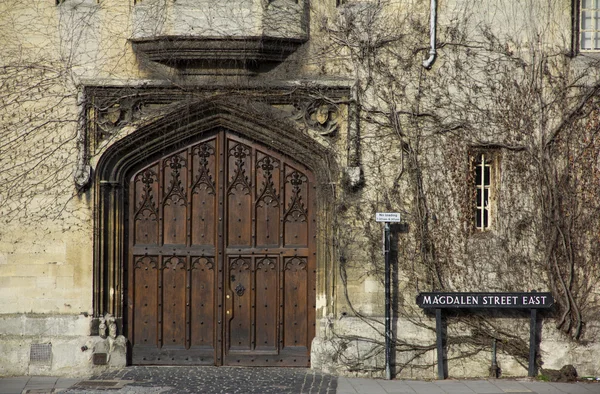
{"type": "Point", "coordinates": [246, 52]}
{"type": "Point", "coordinates": [200, 37]}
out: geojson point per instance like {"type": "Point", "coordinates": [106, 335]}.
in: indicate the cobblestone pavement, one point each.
{"type": "Point", "coordinates": [232, 380]}
{"type": "Point", "coordinates": [211, 380]}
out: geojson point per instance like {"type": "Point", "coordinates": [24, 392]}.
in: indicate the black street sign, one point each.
{"type": "Point", "coordinates": [531, 300]}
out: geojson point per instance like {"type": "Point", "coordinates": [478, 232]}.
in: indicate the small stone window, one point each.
{"type": "Point", "coordinates": [484, 164]}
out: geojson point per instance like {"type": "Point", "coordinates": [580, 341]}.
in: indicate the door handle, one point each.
{"type": "Point", "coordinates": [240, 289]}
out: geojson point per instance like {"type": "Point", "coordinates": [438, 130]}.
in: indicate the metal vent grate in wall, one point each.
{"type": "Point", "coordinates": [40, 353]}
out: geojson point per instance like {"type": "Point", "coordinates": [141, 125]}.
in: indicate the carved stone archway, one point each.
{"type": "Point", "coordinates": [181, 126]}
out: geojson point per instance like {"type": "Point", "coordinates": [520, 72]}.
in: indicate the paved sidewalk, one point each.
{"type": "Point", "coordinates": [450, 386]}
{"type": "Point", "coordinates": [35, 384]}
{"type": "Point", "coordinates": [233, 380]}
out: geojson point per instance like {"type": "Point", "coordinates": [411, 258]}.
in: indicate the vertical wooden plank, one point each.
{"type": "Point", "coordinates": [145, 272]}
{"type": "Point", "coordinates": [267, 203]}
{"type": "Point", "coordinates": [267, 302]}
{"type": "Point", "coordinates": [188, 301]}
{"type": "Point", "coordinates": [295, 307]}
{"type": "Point", "coordinates": [160, 304]}
{"type": "Point", "coordinates": [239, 199]}
{"type": "Point", "coordinates": [174, 289]}
{"type": "Point", "coordinates": [145, 210]}
{"type": "Point", "coordinates": [220, 249]}
{"type": "Point", "coordinates": [161, 188]}
{"type": "Point", "coordinates": [175, 199]}
{"type": "Point", "coordinates": [203, 193]}
{"type": "Point", "coordinates": [295, 218]}
{"type": "Point", "coordinates": [239, 285]}
{"type": "Point", "coordinates": [203, 301]}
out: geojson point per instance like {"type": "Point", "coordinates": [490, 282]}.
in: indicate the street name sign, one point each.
{"type": "Point", "coordinates": [523, 300]}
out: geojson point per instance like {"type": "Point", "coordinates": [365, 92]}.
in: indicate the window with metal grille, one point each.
{"type": "Point", "coordinates": [483, 185]}
{"type": "Point", "coordinates": [589, 25]}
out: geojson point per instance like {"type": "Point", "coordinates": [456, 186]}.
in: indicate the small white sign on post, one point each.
{"type": "Point", "coordinates": [387, 217]}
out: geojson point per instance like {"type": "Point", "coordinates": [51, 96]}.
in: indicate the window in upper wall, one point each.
{"type": "Point", "coordinates": [485, 168]}
{"type": "Point", "coordinates": [589, 25]}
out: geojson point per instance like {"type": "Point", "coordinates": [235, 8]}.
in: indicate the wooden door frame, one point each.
{"type": "Point", "coordinates": [186, 124]}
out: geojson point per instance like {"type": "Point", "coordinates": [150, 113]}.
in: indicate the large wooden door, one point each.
{"type": "Point", "coordinates": [221, 257]}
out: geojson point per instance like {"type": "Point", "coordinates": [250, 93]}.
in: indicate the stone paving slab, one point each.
{"type": "Point", "coordinates": [580, 388]}
{"type": "Point", "coordinates": [491, 386]}
{"type": "Point", "coordinates": [483, 387]}
{"type": "Point", "coordinates": [13, 385]}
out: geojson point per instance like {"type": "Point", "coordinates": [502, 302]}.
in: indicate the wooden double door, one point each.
{"type": "Point", "coordinates": [221, 249]}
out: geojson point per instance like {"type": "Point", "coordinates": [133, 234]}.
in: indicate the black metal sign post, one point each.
{"type": "Point", "coordinates": [532, 342]}
{"type": "Point", "coordinates": [439, 341]}
{"type": "Point", "coordinates": [388, 298]}
{"type": "Point", "coordinates": [387, 218]}
{"type": "Point", "coordinates": [439, 301]}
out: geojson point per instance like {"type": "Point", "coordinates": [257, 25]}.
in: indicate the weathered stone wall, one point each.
{"type": "Point", "coordinates": [46, 242]}
{"type": "Point", "coordinates": [241, 18]}
{"type": "Point", "coordinates": [441, 250]}
{"type": "Point", "coordinates": [54, 344]}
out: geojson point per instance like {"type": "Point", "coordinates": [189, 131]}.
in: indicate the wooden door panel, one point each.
{"type": "Point", "coordinates": [221, 265]}
{"type": "Point", "coordinates": [295, 217]}
{"type": "Point", "coordinates": [267, 205]}
{"type": "Point", "coordinates": [267, 302]}
{"type": "Point", "coordinates": [202, 299]}
{"type": "Point", "coordinates": [174, 201]}
{"type": "Point", "coordinates": [146, 300]}
{"type": "Point", "coordinates": [203, 194]}
{"type": "Point", "coordinates": [173, 302]}
{"type": "Point", "coordinates": [145, 214]}
{"type": "Point", "coordinates": [295, 311]}
{"type": "Point", "coordinates": [239, 194]}
{"type": "Point", "coordinates": [239, 308]}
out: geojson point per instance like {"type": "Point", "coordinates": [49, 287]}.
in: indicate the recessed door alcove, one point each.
{"type": "Point", "coordinates": [207, 240]}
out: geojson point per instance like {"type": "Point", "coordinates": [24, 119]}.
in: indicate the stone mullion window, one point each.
{"type": "Point", "coordinates": [589, 25]}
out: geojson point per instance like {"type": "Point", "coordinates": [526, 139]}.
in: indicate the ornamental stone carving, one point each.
{"type": "Point", "coordinates": [318, 115]}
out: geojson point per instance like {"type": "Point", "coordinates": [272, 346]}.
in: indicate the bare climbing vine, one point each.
{"type": "Point", "coordinates": [509, 93]}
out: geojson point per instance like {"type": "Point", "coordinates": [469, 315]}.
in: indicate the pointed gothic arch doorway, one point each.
{"type": "Point", "coordinates": [221, 256]}
{"type": "Point", "coordinates": [211, 229]}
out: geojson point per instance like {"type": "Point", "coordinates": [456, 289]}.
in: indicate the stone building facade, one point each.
{"type": "Point", "coordinates": [195, 182]}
